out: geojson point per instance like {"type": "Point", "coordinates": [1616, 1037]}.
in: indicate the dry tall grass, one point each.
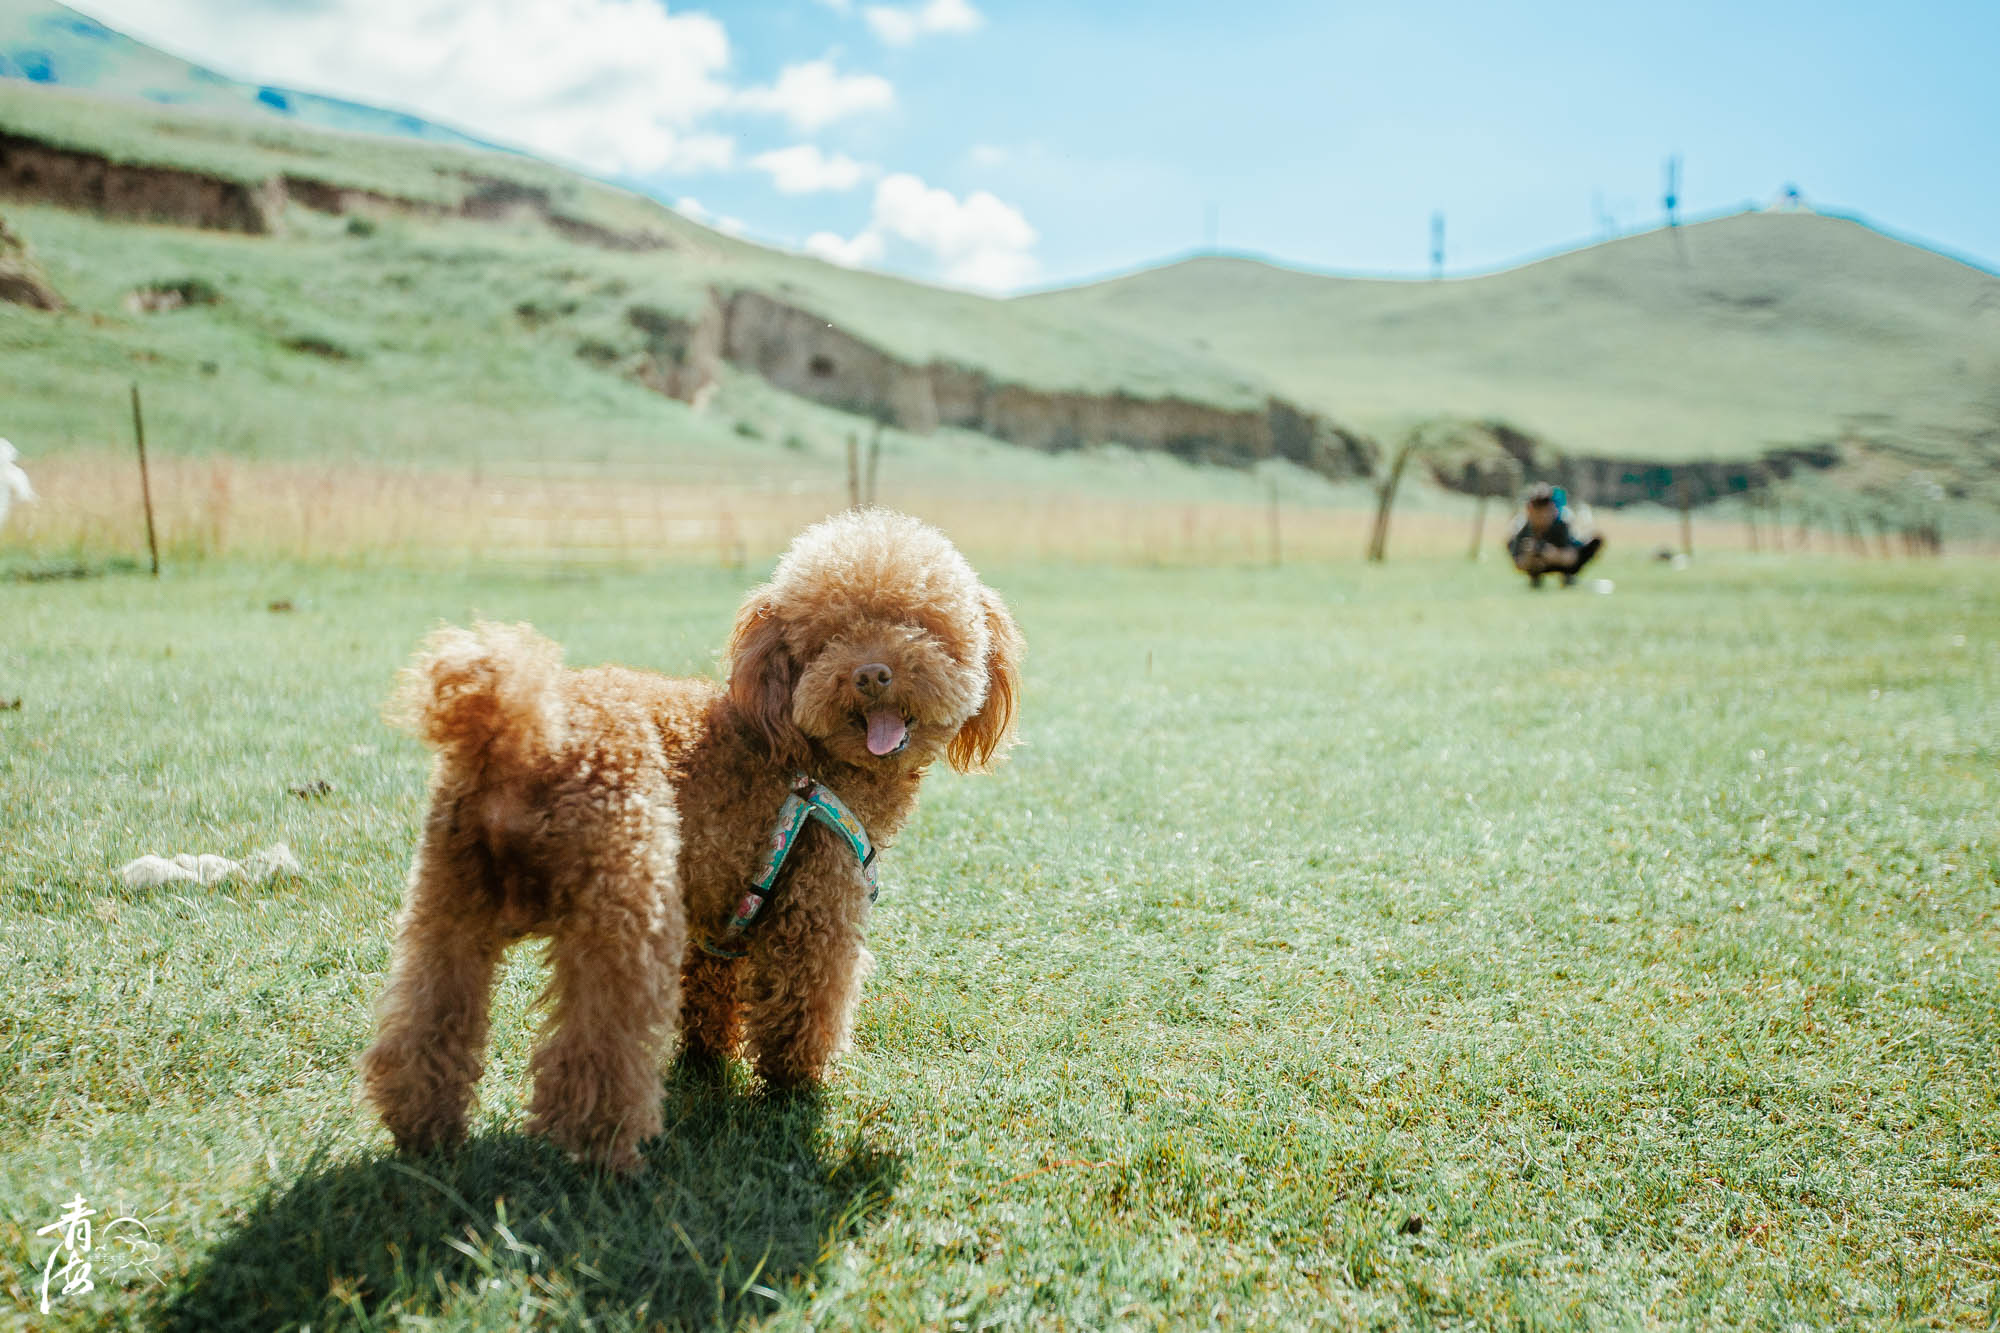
{"type": "Point", "coordinates": [206, 507]}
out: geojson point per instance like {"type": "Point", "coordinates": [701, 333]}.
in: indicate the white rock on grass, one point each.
{"type": "Point", "coordinates": [150, 872]}
{"type": "Point", "coordinates": [277, 859]}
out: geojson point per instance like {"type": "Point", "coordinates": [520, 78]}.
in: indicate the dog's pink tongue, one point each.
{"type": "Point", "coordinates": [886, 730]}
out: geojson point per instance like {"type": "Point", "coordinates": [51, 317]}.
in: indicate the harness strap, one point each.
{"type": "Point", "coordinates": [807, 799]}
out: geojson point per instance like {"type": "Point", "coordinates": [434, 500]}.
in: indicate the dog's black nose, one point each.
{"type": "Point", "coordinates": [872, 679]}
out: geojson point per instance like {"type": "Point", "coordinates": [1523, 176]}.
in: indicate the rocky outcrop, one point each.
{"type": "Point", "coordinates": [71, 178]}
{"type": "Point", "coordinates": [495, 199]}
{"type": "Point", "coordinates": [341, 200]}
{"type": "Point", "coordinates": [21, 282]}
{"type": "Point", "coordinates": [802, 353]}
{"type": "Point", "coordinates": [1516, 457]}
{"type": "Point", "coordinates": [490, 199]}
{"type": "Point", "coordinates": [682, 354]}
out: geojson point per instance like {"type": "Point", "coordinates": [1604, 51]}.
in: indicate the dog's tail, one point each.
{"type": "Point", "coordinates": [490, 692]}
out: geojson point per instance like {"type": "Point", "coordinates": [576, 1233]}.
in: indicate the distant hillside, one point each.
{"type": "Point", "coordinates": [1722, 340]}
{"type": "Point", "coordinates": [46, 43]}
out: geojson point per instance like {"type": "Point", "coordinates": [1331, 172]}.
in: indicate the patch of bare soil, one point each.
{"type": "Point", "coordinates": [21, 282]}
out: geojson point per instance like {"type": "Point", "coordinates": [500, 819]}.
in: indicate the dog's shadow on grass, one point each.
{"type": "Point", "coordinates": [742, 1197]}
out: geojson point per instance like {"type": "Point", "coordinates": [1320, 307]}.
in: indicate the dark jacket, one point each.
{"type": "Point", "coordinates": [1521, 538]}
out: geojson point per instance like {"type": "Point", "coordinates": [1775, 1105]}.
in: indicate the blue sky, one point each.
{"type": "Point", "coordinates": [1010, 145]}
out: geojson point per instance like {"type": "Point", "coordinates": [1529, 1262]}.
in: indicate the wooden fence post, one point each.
{"type": "Point", "coordinates": [1277, 548]}
{"type": "Point", "coordinates": [874, 462]}
{"type": "Point", "coordinates": [145, 480]}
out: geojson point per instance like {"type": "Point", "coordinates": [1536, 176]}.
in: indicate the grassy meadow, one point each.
{"type": "Point", "coordinates": [1343, 947]}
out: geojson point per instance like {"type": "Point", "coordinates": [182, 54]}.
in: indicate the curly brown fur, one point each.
{"type": "Point", "coordinates": [619, 815]}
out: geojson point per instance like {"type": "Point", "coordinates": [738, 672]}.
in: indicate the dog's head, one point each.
{"type": "Point", "coordinates": [875, 644]}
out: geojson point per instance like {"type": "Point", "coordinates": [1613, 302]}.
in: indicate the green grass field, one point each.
{"type": "Point", "coordinates": [1344, 947]}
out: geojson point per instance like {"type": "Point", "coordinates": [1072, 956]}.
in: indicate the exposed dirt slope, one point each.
{"type": "Point", "coordinates": [802, 352]}
{"type": "Point", "coordinates": [48, 173]}
{"type": "Point", "coordinates": [21, 282]}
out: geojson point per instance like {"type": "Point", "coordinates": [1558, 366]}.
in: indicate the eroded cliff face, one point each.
{"type": "Point", "coordinates": [69, 178]}
{"type": "Point", "coordinates": [45, 174]}
{"type": "Point", "coordinates": [802, 353]}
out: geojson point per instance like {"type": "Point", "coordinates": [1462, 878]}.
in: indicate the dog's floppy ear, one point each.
{"type": "Point", "coordinates": [761, 675]}
{"type": "Point", "coordinates": [991, 729]}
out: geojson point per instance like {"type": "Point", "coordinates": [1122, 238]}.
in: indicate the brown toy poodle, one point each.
{"type": "Point", "coordinates": [628, 818]}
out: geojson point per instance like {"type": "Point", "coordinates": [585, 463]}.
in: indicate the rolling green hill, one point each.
{"type": "Point", "coordinates": [1721, 339]}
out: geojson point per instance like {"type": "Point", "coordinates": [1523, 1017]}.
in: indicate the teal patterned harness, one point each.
{"type": "Point", "coordinates": [806, 800]}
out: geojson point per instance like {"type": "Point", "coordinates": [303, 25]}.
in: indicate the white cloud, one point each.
{"type": "Point", "coordinates": [865, 248]}
{"type": "Point", "coordinates": [979, 241]}
{"type": "Point", "coordinates": [612, 85]}
{"type": "Point", "coordinates": [982, 241]}
{"type": "Point", "coordinates": [899, 25]}
{"type": "Point", "coordinates": [803, 169]}
{"type": "Point", "coordinates": [694, 211]}
{"type": "Point", "coordinates": [813, 94]}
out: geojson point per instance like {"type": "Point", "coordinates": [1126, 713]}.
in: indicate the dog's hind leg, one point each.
{"type": "Point", "coordinates": [432, 1019]}
{"type": "Point", "coordinates": [613, 1000]}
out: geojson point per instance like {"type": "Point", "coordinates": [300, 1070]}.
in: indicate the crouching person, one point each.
{"type": "Point", "coordinates": [1541, 541]}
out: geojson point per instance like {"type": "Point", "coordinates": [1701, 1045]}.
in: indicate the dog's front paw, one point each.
{"type": "Point", "coordinates": [421, 1138]}
{"type": "Point", "coordinates": [595, 1145]}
